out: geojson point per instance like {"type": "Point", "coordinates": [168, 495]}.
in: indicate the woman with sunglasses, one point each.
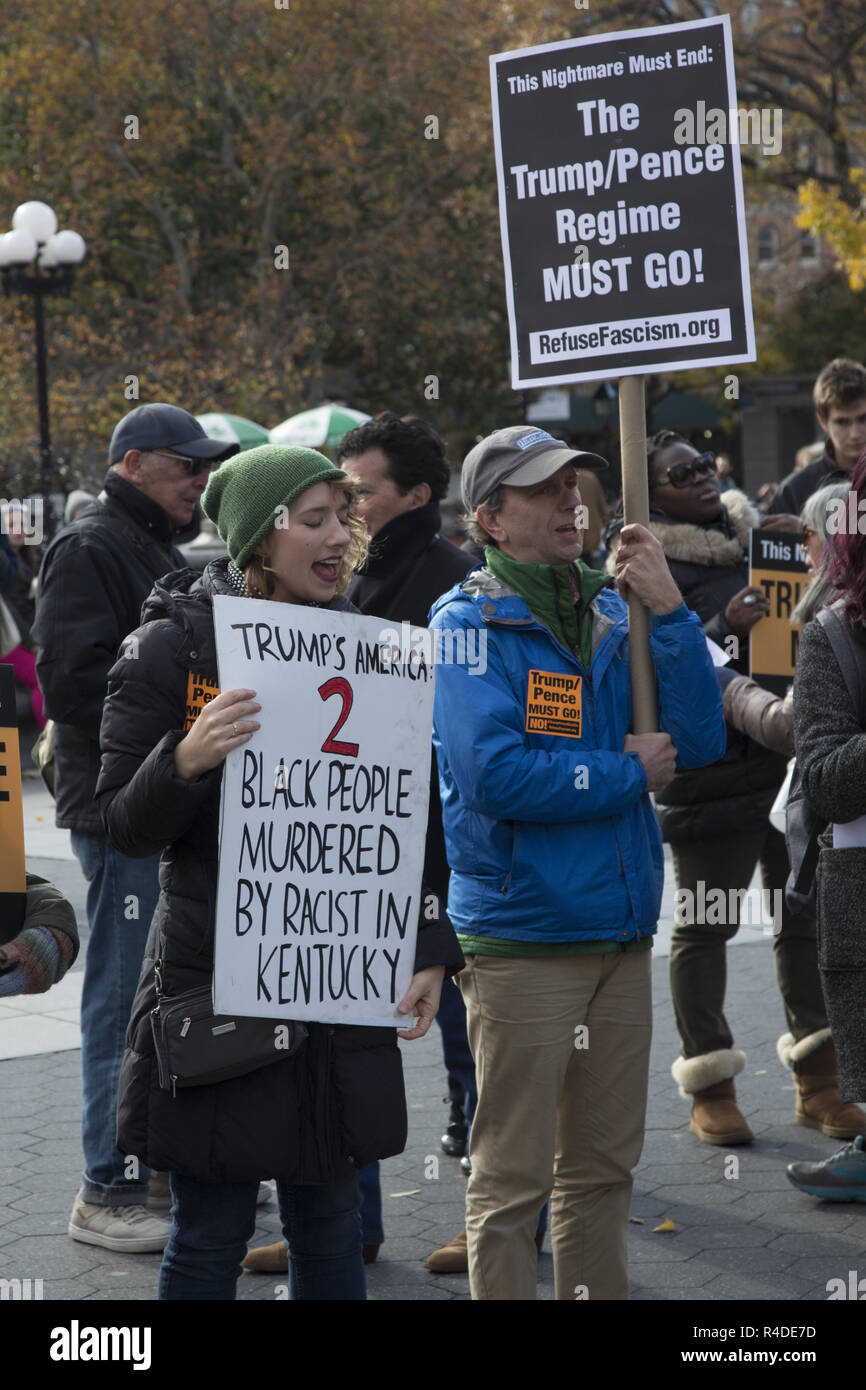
{"type": "Point", "coordinates": [716, 820]}
{"type": "Point", "coordinates": [313, 1119]}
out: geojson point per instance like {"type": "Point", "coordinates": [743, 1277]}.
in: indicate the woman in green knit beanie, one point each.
{"type": "Point", "coordinates": [268, 505]}
{"type": "Point", "coordinates": [287, 518]}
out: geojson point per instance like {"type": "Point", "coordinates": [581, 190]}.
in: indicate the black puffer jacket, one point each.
{"type": "Point", "coordinates": [710, 564]}
{"type": "Point", "coordinates": [299, 1119]}
{"type": "Point", "coordinates": [95, 576]}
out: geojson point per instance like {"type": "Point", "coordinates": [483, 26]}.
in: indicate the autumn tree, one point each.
{"type": "Point", "coordinates": [280, 205]}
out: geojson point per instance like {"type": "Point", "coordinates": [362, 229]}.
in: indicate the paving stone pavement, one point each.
{"type": "Point", "coordinates": [742, 1232]}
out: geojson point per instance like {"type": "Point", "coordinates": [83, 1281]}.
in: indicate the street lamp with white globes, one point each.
{"type": "Point", "coordinates": [37, 259]}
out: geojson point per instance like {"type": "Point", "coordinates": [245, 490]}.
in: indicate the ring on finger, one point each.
{"type": "Point", "coordinates": [235, 727]}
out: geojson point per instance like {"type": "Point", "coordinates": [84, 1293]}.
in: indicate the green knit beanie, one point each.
{"type": "Point", "coordinates": [244, 495]}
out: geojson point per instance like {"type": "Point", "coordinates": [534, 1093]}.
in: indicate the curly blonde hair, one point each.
{"type": "Point", "coordinates": [260, 581]}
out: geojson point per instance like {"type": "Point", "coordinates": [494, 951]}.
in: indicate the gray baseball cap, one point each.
{"type": "Point", "coordinates": [519, 456]}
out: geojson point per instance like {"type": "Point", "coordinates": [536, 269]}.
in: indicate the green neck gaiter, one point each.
{"type": "Point", "coordinates": [551, 592]}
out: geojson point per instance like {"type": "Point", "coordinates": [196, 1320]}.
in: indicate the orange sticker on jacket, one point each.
{"type": "Point", "coordinates": [200, 690]}
{"type": "Point", "coordinates": [553, 703]}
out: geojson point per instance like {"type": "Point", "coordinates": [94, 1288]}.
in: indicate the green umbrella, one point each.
{"type": "Point", "coordinates": [234, 429]}
{"type": "Point", "coordinates": [312, 429]}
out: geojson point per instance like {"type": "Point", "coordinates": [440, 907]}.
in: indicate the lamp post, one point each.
{"type": "Point", "coordinates": [37, 259]}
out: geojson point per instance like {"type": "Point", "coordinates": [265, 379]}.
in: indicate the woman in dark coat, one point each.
{"type": "Point", "coordinates": [716, 820]}
{"type": "Point", "coordinates": [830, 738]}
{"type": "Point", "coordinates": [312, 1119]}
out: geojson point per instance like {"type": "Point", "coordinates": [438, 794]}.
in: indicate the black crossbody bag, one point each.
{"type": "Point", "coordinates": [196, 1047]}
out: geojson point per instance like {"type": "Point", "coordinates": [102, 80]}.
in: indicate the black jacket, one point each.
{"type": "Point", "coordinates": [798, 487]}
{"type": "Point", "coordinates": [710, 564]}
{"type": "Point", "coordinates": [19, 599]}
{"type": "Point", "coordinates": [410, 565]}
{"type": "Point", "coordinates": [8, 567]}
{"type": "Point", "coordinates": [96, 574]}
{"type": "Point", "coordinates": [300, 1119]}
{"type": "Point", "coordinates": [831, 758]}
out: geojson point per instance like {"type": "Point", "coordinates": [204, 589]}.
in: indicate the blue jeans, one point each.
{"type": "Point", "coordinates": [121, 897]}
{"type": "Point", "coordinates": [211, 1225]}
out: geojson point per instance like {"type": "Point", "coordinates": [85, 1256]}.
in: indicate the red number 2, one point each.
{"type": "Point", "coordinates": [337, 685]}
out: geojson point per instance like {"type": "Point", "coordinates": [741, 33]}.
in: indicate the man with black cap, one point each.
{"type": "Point", "coordinates": [555, 855]}
{"type": "Point", "coordinates": [96, 574]}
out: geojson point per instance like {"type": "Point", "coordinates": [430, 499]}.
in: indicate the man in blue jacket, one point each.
{"type": "Point", "coordinates": [556, 858]}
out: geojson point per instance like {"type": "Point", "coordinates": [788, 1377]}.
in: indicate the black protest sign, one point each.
{"type": "Point", "coordinates": [777, 564]}
{"type": "Point", "coordinates": [324, 815]}
{"type": "Point", "coordinates": [621, 204]}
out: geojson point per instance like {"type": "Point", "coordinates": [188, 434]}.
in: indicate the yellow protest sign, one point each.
{"type": "Point", "coordinates": [777, 564]}
{"type": "Point", "coordinates": [13, 879]}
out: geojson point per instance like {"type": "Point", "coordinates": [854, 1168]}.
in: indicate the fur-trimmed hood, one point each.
{"type": "Point", "coordinates": [725, 542]}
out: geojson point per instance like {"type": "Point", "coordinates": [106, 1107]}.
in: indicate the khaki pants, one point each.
{"type": "Point", "coordinates": [560, 1110]}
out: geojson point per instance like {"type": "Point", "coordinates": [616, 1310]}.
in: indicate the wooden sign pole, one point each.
{"type": "Point", "coordinates": [635, 506]}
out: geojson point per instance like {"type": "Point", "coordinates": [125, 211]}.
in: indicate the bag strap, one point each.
{"type": "Point", "coordinates": [850, 654]}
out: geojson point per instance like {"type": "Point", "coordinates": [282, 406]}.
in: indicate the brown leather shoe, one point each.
{"type": "Point", "coordinates": [716, 1118]}
{"type": "Point", "coordinates": [819, 1105]}
{"type": "Point", "coordinates": [453, 1258]}
{"type": "Point", "coordinates": [268, 1259]}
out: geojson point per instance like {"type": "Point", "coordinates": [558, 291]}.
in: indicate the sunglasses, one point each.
{"type": "Point", "coordinates": [193, 466]}
{"type": "Point", "coordinates": [681, 474]}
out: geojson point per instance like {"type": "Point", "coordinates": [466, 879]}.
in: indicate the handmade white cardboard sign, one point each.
{"type": "Point", "coordinates": [324, 815]}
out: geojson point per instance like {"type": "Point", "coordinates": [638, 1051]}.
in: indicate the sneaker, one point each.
{"type": "Point", "coordinates": [840, 1178]}
{"type": "Point", "coordinates": [466, 1165]}
{"type": "Point", "coordinates": [134, 1229]}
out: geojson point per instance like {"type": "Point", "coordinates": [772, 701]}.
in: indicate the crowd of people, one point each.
{"type": "Point", "coordinates": [543, 853]}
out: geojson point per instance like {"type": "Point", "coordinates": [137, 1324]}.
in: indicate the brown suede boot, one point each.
{"type": "Point", "coordinates": [708, 1082]}
{"type": "Point", "coordinates": [819, 1105]}
{"type": "Point", "coordinates": [452, 1258]}
{"type": "Point", "coordinates": [268, 1259]}
{"type": "Point", "coordinates": [716, 1118]}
